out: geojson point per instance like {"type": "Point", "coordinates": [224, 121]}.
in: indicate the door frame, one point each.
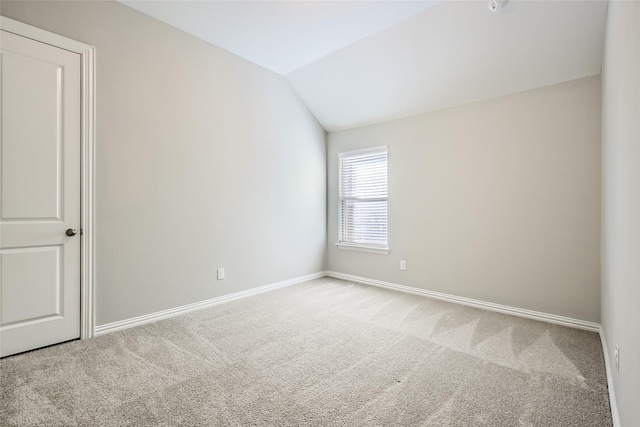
{"type": "Point", "coordinates": [87, 162]}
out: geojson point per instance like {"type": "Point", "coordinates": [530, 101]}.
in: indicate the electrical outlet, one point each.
{"type": "Point", "coordinates": [220, 273]}
{"type": "Point", "coordinates": [403, 264]}
{"type": "Point", "coordinates": [616, 356]}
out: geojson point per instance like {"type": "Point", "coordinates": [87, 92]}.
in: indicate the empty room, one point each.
{"type": "Point", "coordinates": [320, 213]}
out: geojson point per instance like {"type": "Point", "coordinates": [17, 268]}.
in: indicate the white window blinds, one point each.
{"type": "Point", "coordinates": [363, 198]}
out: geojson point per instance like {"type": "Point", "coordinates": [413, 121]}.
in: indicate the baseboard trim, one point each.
{"type": "Point", "coordinates": [165, 314]}
{"type": "Point", "coordinates": [515, 311]}
{"type": "Point", "coordinates": [612, 393]}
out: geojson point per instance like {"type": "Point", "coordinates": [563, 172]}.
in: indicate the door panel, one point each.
{"type": "Point", "coordinates": [39, 194]}
{"type": "Point", "coordinates": [28, 272]}
{"type": "Point", "coordinates": [28, 151]}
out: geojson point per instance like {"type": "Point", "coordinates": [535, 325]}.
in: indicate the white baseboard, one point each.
{"type": "Point", "coordinates": [515, 311]}
{"type": "Point", "coordinates": [536, 315]}
{"type": "Point", "coordinates": [164, 314]}
{"type": "Point", "coordinates": [612, 392]}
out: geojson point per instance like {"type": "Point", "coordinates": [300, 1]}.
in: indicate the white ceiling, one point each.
{"type": "Point", "coordinates": [361, 62]}
{"type": "Point", "coordinates": [280, 35]}
{"type": "Point", "coordinates": [453, 54]}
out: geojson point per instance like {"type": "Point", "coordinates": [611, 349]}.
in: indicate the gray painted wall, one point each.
{"type": "Point", "coordinates": [621, 203]}
{"type": "Point", "coordinates": [497, 201]}
{"type": "Point", "coordinates": [204, 160]}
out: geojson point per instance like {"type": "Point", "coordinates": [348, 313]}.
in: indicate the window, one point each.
{"type": "Point", "coordinates": [363, 200]}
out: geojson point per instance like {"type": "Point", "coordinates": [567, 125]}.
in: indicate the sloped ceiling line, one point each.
{"type": "Point", "coordinates": [356, 63]}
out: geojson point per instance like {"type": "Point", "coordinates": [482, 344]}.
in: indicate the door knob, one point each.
{"type": "Point", "coordinates": [71, 232]}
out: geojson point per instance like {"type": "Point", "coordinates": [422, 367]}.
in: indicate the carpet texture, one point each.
{"type": "Point", "coordinates": [321, 353]}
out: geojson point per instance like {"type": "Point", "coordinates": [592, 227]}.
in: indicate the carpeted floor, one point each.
{"type": "Point", "coordinates": [321, 353]}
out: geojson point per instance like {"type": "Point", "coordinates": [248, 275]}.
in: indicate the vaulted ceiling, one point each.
{"type": "Point", "coordinates": [360, 62]}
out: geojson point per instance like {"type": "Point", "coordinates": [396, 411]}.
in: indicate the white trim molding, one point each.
{"type": "Point", "coordinates": [165, 314]}
{"type": "Point", "coordinates": [87, 61]}
{"type": "Point", "coordinates": [515, 311]}
{"type": "Point", "coordinates": [362, 248]}
{"type": "Point", "coordinates": [612, 393]}
{"type": "Point", "coordinates": [87, 144]}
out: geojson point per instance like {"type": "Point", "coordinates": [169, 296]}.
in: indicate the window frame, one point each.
{"type": "Point", "coordinates": [356, 246]}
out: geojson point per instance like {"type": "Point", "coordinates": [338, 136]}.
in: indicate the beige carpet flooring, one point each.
{"type": "Point", "coordinates": [320, 353]}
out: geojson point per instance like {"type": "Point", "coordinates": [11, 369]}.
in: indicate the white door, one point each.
{"type": "Point", "coordinates": [39, 194]}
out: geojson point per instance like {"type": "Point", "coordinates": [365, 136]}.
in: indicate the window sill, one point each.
{"type": "Point", "coordinates": [363, 248]}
